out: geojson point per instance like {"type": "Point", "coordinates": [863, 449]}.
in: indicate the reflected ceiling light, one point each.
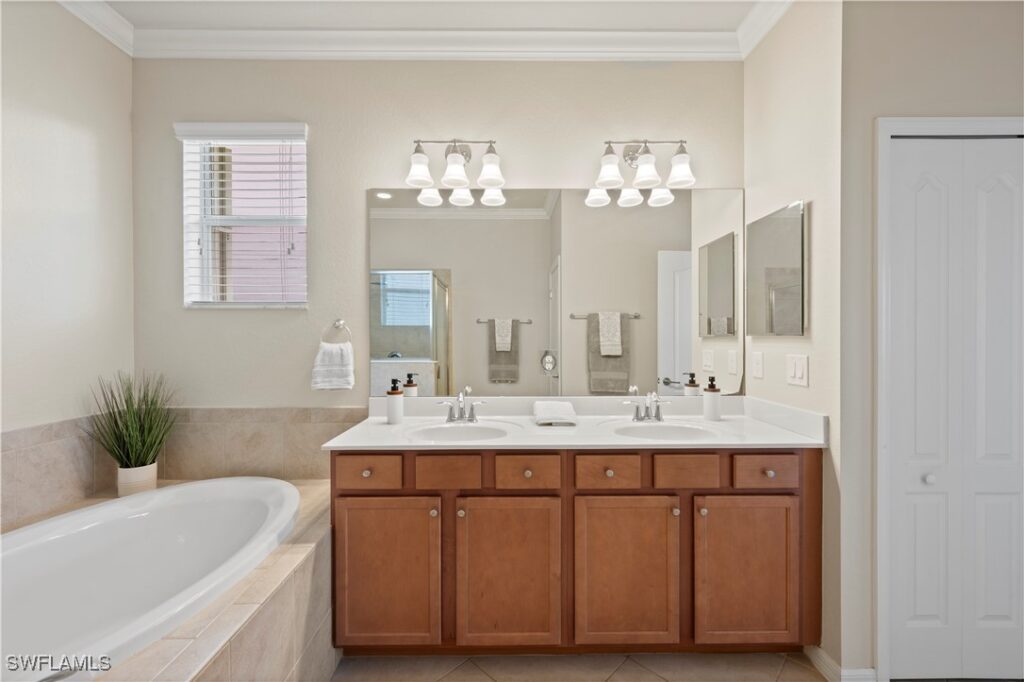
{"type": "Point", "coordinates": [490, 174]}
{"type": "Point", "coordinates": [384, 195]}
{"type": "Point", "coordinates": [630, 197]}
{"type": "Point", "coordinates": [681, 175]}
{"type": "Point", "coordinates": [597, 197]}
{"type": "Point", "coordinates": [430, 197]}
{"type": "Point", "coordinates": [461, 197]}
{"type": "Point", "coordinates": [493, 196]}
{"type": "Point", "coordinates": [419, 169]}
{"type": "Point", "coordinates": [646, 174]}
{"type": "Point", "coordinates": [610, 176]}
{"type": "Point", "coordinates": [660, 196]}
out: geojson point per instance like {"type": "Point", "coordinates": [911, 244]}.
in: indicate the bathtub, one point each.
{"type": "Point", "coordinates": [107, 580]}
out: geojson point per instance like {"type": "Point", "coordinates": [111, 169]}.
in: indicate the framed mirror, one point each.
{"type": "Point", "coordinates": [775, 273]}
{"type": "Point", "coordinates": [717, 294]}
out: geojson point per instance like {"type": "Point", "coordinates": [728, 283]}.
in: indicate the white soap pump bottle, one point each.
{"type": "Point", "coordinates": [712, 402]}
{"type": "Point", "coordinates": [410, 386]}
{"type": "Point", "coordinates": [395, 404]}
{"type": "Point", "coordinates": [691, 387]}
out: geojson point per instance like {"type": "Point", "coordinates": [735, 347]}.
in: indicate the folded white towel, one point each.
{"type": "Point", "coordinates": [503, 335]}
{"type": "Point", "coordinates": [610, 331]}
{"type": "Point", "coordinates": [334, 367]}
{"type": "Point", "coordinates": [554, 413]}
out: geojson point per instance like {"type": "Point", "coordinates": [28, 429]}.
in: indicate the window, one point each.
{"type": "Point", "coordinates": [405, 299]}
{"type": "Point", "coordinates": [244, 214]}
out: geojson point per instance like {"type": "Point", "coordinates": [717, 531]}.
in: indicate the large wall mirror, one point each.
{"type": "Point", "coordinates": [545, 296]}
{"type": "Point", "coordinates": [775, 273]}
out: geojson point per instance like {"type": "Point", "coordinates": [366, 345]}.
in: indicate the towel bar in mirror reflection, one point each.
{"type": "Point", "coordinates": [548, 259]}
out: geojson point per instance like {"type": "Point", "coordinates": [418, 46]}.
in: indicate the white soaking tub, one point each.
{"type": "Point", "coordinates": [109, 579]}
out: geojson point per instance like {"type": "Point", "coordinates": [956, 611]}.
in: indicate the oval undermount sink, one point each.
{"type": "Point", "coordinates": [679, 432]}
{"type": "Point", "coordinates": [458, 432]}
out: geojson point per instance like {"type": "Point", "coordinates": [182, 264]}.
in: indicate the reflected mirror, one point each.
{"type": "Point", "coordinates": [717, 313]}
{"type": "Point", "coordinates": [775, 273]}
{"type": "Point", "coordinates": [545, 296]}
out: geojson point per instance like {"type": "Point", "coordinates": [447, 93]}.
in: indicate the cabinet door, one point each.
{"type": "Point", "coordinates": [627, 569]}
{"type": "Point", "coordinates": [387, 570]}
{"type": "Point", "coordinates": [746, 569]}
{"type": "Point", "coordinates": [509, 570]}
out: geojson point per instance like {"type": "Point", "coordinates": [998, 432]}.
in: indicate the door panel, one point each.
{"type": "Point", "coordinates": [675, 294]}
{"type": "Point", "coordinates": [746, 569]}
{"type": "Point", "coordinates": [509, 570]}
{"type": "Point", "coordinates": [627, 569]}
{"type": "Point", "coordinates": [387, 561]}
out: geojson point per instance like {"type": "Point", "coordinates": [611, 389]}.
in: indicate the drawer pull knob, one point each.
{"type": "Point", "coordinates": [461, 513]}
{"type": "Point", "coordinates": [770, 473]}
{"type": "Point", "coordinates": [609, 473]}
{"type": "Point", "coordinates": [367, 473]}
{"type": "Point", "coordinates": [703, 511]}
{"type": "Point", "coordinates": [433, 513]}
{"type": "Point", "coordinates": [929, 479]}
{"type": "Point", "coordinates": [675, 511]}
{"type": "Point", "coordinates": [528, 473]}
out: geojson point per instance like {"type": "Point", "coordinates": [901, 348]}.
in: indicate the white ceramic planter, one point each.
{"type": "Point", "coordinates": [136, 479]}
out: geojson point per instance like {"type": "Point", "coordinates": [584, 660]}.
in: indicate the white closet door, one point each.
{"type": "Point", "coordinates": [955, 421]}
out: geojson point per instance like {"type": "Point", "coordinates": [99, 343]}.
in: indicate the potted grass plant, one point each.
{"type": "Point", "coordinates": [132, 421]}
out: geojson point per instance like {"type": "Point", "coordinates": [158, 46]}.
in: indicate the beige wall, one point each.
{"type": "Point", "coordinates": [899, 59]}
{"type": "Point", "coordinates": [791, 133]}
{"type": "Point", "coordinates": [610, 262]}
{"type": "Point", "coordinates": [67, 231]}
{"type": "Point", "coordinates": [549, 120]}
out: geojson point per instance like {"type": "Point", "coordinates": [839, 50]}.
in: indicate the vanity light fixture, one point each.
{"type": "Point", "coordinates": [490, 174]}
{"type": "Point", "coordinates": [457, 154]}
{"type": "Point", "coordinates": [430, 197]}
{"type": "Point", "coordinates": [646, 174]}
{"type": "Point", "coordinates": [461, 197]}
{"type": "Point", "coordinates": [597, 197]}
{"type": "Point", "coordinates": [681, 176]}
{"type": "Point", "coordinates": [419, 169]}
{"type": "Point", "coordinates": [660, 196]}
{"type": "Point", "coordinates": [610, 176]}
{"type": "Point", "coordinates": [455, 174]}
{"type": "Point", "coordinates": [630, 197]}
{"type": "Point", "coordinates": [638, 155]}
{"type": "Point", "coordinates": [493, 196]}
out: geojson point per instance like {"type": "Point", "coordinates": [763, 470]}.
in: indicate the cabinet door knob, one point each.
{"type": "Point", "coordinates": [675, 511]}
{"type": "Point", "coordinates": [461, 513]}
{"type": "Point", "coordinates": [770, 473]}
{"type": "Point", "coordinates": [367, 473]}
{"type": "Point", "coordinates": [929, 479]}
{"type": "Point", "coordinates": [433, 513]}
{"type": "Point", "coordinates": [703, 511]}
{"type": "Point", "coordinates": [528, 473]}
{"type": "Point", "coordinates": [609, 472]}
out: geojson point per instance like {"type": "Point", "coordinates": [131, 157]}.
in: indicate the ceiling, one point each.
{"type": "Point", "coordinates": [566, 30]}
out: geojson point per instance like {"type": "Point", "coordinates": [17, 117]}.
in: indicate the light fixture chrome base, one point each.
{"type": "Point", "coordinates": [631, 154]}
{"type": "Point", "coordinates": [459, 148]}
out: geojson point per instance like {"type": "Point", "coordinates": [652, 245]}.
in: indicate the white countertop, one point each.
{"type": "Point", "coordinates": [756, 427]}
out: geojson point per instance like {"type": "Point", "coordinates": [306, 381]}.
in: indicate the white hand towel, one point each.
{"type": "Point", "coordinates": [554, 413]}
{"type": "Point", "coordinates": [610, 331]}
{"type": "Point", "coordinates": [503, 335]}
{"type": "Point", "coordinates": [333, 368]}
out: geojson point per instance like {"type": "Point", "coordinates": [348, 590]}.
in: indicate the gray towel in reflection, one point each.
{"type": "Point", "coordinates": [608, 374]}
{"type": "Point", "coordinates": [502, 366]}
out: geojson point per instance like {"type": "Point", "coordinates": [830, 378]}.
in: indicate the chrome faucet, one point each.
{"type": "Point", "coordinates": [457, 411]}
{"type": "Point", "coordinates": [648, 409]}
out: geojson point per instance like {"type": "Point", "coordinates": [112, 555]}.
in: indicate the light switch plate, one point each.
{"type": "Point", "coordinates": [796, 370]}
{"type": "Point", "coordinates": [708, 360]}
{"type": "Point", "coordinates": [757, 364]}
{"type": "Point", "coordinates": [732, 362]}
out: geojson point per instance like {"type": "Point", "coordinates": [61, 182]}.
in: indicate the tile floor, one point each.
{"type": "Point", "coordinates": [586, 668]}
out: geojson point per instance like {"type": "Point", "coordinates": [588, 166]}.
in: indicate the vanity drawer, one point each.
{"type": "Point", "coordinates": [608, 471]}
{"type": "Point", "coordinates": [368, 472]}
{"type": "Point", "coordinates": [527, 471]}
{"type": "Point", "coordinates": [766, 471]}
{"type": "Point", "coordinates": [447, 472]}
{"type": "Point", "coordinates": [687, 471]}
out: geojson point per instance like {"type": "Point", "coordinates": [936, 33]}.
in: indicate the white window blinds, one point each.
{"type": "Point", "coordinates": [405, 299]}
{"type": "Point", "coordinates": [244, 188]}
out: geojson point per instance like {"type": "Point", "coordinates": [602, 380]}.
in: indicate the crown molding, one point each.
{"type": "Point", "coordinates": [761, 19]}
{"type": "Point", "coordinates": [459, 214]}
{"type": "Point", "coordinates": [102, 18]}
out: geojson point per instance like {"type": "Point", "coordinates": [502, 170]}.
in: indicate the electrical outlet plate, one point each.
{"type": "Point", "coordinates": [708, 361]}
{"type": "Point", "coordinates": [732, 362]}
{"type": "Point", "coordinates": [796, 370]}
{"type": "Point", "coordinates": [757, 364]}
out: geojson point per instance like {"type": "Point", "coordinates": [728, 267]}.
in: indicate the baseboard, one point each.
{"type": "Point", "coordinates": [831, 671]}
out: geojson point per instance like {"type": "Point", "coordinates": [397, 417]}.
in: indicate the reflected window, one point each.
{"type": "Point", "coordinates": [405, 299]}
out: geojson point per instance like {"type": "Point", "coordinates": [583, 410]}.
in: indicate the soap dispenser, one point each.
{"type": "Point", "coordinates": [411, 389]}
{"type": "Point", "coordinates": [691, 387]}
{"type": "Point", "coordinates": [712, 402]}
{"type": "Point", "coordinates": [395, 410]}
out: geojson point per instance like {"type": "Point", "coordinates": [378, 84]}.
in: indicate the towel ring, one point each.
{"type": "Point", "coordinates": [337, 324]}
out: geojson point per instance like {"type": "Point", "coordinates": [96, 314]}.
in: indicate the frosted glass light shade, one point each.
{"type": "Point", "coordinates": [630, 197]}
{"type": "Point", "coordinates": [429, 196]}
{"type": "Point", "coordinates": [660, 196]}
{"type": "Point", "coordinates": [455, 174]}
{"type": "Point", "coordinates": [461, 197]}
{"type": "Point", "coordinates": [610, 176]}
{"type": "Point", "coordinates": [419, 171]}
{"type": "Point", "coordinates": [597, 197]}
{"type": "Point", "coordinates": [493, 196]}
{"type": "Point", "coordinates": [681, 176]}
{"type": "Point", "coordinates": [490, 174]}
{"type": "Point", "coordinates": [646, 174]}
